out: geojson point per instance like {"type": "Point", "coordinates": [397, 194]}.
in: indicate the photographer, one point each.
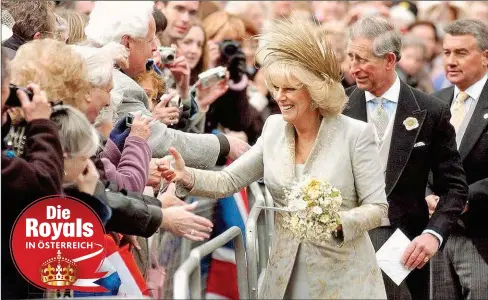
{"type": "Point", "coordinates": [232, 110]}
{"type": "Point", "coordinates": [42, 169]}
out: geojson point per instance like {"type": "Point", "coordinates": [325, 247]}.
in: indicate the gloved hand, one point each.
{"type": "Point", "coordinates": [119, 133]}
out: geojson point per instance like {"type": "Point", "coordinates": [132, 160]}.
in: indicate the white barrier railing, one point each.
{"type": "Point", "coordinates": [187, 280]}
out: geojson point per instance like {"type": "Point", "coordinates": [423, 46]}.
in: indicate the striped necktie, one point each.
{"type": "Point", "coordinates": [458, 110]}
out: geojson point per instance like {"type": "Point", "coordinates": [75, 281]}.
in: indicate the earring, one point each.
{"type": "Point", "coordinates": [313, 105]}
{"type": "Point", "coordinates": [65, 173]}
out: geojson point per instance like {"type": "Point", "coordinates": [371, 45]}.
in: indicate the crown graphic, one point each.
{"type": "Point", "coordinates": [58, 271]}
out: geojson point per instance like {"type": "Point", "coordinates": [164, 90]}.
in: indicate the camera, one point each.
{"type": "Point", "coordinates": [175, 102]}
{"type": "Point", "coordinates": [13, 100]}
{"type": "Point", "coordinates": [168, 54]}
{"type": "Point", "coordinates": [212, 76]}
{"type": "Point", "coordinates": [228, 49]}
{"type": "Point", "coordinates": [130, 118]}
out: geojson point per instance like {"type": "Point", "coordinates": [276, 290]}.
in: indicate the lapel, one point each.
{"type": "Point", "coordinates": [402, 140]}
{"type": "Point", "coordinates": [476, 125]}
{"type": "Point", "coordinates": [325, 136]}
{"type": "Point", "coordinates": [446, 95]}
{"type": "Point", "coordinates": [356, 107]}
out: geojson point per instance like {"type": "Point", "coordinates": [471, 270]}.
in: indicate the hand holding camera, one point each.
{"type": "Point", "coordinates": [33, 101]}
{"type": "Point", "coordinates": [229, 54]}
{"type": "Point", "coordinates": [168, 109]}
{"type": "Point", "coordinates": [140, 126]}
{"type": "Point", "coordinates": [211, 85]}
{"type": "Point", "coordinates": [179, 67]}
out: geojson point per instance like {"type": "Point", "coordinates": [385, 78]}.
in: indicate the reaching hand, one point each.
{"type": "Point", "coordinates": [38, 108]}
{"type": "Point", "coordinates": [208, 95]}
{"type": "Point", "coordinates": [165, 114]}
{"type": "Point", "coordinates": [420, 250]}
{"type": "Point", "coordinates": [176, 170]}
{"type": "Point", "coordinates": [130, 240]}
{"type": "Point", "coordinates": [180, 221]}
{"type": "Point", "coordinates": [237, 147]}
{"type": "Point", "coordinates": [168, 198]}
{"type": "Point", "coordinates": [118, 53]}
{"type": "Point", "coordinates": [87, 180]}
{"type": "Point", "coordinates": [154, 172]}
{"type": "Point", "coordinates": [140, 127]}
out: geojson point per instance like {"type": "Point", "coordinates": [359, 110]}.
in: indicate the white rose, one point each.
{"type": "Point", "coordinates": [297, 204]}
{"type": "Point", "coordinates": [317, 210]}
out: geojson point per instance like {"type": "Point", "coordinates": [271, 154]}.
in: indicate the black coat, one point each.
{"type": "Point", "coordinates": [408, 167]}
{"type": "Point", "coordinates": [474, 155]}
{"type": "Point", "coordinates": [25, 180]}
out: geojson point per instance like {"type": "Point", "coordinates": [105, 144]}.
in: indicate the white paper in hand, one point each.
{"type": "Point", "coordinates": [390, 254]}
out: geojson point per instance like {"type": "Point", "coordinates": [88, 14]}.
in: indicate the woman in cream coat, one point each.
{"type": "Point", "coordinates": [309, 138]}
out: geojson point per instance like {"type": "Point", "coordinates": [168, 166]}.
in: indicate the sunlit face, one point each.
{"type": "Point", "coordinates": [368, 71]}
{"type": "Point", "coordinates": [191, 46]}
{"type": "Point", "coordinates": [412, 60]}
{"type": "Point", "coordinates": [181, 15]}
{"type": "Point", "coordinates": [141, 49]}
{"type": "Point", "coordinates": [73, 167]}
{"type": "Point", "coordinates": [98, 99]}
{"type": "Point", "coordinates": [293, 100]}
{"type": "Point", "coordinates": [464, 62]}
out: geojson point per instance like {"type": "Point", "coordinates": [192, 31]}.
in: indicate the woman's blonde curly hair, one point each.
{"type": "Point", "coordinates": [292, 50]}
{"type": "Point", "coordinates": [57, 68]}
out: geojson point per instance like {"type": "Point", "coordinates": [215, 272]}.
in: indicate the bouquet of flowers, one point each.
{"type": "Point", "coordinates": [313, 207]}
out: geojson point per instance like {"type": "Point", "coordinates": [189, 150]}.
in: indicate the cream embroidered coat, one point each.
{"type": "Point", "coordinates": [346, 155]}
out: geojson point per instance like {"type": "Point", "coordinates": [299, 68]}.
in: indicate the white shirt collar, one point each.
{"type": "Point", "coordinates": [391, 94]}
{"type": "Point", "coordinates": [474, 91]}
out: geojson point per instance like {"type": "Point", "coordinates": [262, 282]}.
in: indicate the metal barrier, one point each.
{"type": "Point", "coordinates": [257, 241]}
{"type": "Point", "coordinates": [187, 281]}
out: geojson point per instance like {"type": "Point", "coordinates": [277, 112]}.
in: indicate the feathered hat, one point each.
{"type": "Point", "coordinates": [296, 41]}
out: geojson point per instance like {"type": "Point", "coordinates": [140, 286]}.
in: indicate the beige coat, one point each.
{"type": "Point", "coordinates": [346, 155]}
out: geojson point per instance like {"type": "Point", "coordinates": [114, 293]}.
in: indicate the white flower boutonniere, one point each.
{"type": "Point", "coordinates": [411, 123]}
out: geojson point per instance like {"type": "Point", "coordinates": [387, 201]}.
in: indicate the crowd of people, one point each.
{"type": "Point", "coordinates": [128, 105]}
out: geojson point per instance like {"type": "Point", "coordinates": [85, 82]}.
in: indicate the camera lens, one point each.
{"type": "Point", "coordinates": [230, 50]}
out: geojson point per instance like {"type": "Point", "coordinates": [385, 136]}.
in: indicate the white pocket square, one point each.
{"type": "Point", "coordinates": [419, 144]}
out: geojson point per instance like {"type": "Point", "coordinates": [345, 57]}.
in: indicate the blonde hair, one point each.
{"type": "Point", "coordinates": [292, 50]}
{"type": "Point", "coordinates": [222, 21]}
{"type": "Point", "coordinates": [57, 68]}
{"type": "Point", "coordinates": [76, 25]}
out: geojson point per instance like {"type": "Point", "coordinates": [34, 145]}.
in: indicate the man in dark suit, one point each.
{"type": "Point", "coordinates": [461, 268]}
{"type": "Point", "coordinates": [414, 138]}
